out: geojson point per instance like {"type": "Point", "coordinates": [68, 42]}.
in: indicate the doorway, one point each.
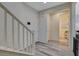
{"type": "Point", "coordinates": [58, 28]}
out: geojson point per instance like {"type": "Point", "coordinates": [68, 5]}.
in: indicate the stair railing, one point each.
{"type": "Point", "coordinates": [16, 36]}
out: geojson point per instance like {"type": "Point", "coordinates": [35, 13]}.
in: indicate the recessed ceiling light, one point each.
{"type": "Point", "coordinates": [45, 2]}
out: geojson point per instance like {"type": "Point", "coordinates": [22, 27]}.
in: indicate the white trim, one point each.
{"type": "Point", "coordinates": [14, 51]}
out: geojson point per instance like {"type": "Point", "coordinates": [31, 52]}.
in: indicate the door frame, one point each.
{"type": "Point", "coordinates": [71, 6]}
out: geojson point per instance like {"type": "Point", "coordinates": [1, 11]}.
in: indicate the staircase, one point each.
{"type": "Point", "coordinates": [15, 37]}
{"type": "Point", "coordinates": [43, 49]}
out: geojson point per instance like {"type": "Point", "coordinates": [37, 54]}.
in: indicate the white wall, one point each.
{"type": "Point", "coordinates": [54, 27]}
{"type": "Point", "coordinates": [24, 13]}
{"type": "Point", "coordinates": [43, 23]}
{"type": "Point", "coordinates": [42, 28]}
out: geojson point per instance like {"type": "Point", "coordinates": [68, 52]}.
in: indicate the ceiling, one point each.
{"type": "Point", "coordinates": [39, 6]}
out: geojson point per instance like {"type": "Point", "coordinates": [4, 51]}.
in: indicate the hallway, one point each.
{"type": "Point", "coordinates": [25, 29]}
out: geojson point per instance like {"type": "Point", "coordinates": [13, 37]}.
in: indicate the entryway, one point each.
{"type": "Point", "coordinates": [58, 28]}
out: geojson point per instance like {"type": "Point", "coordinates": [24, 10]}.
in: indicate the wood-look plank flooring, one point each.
{"type": "Point", "coordinates": [51, 49]}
